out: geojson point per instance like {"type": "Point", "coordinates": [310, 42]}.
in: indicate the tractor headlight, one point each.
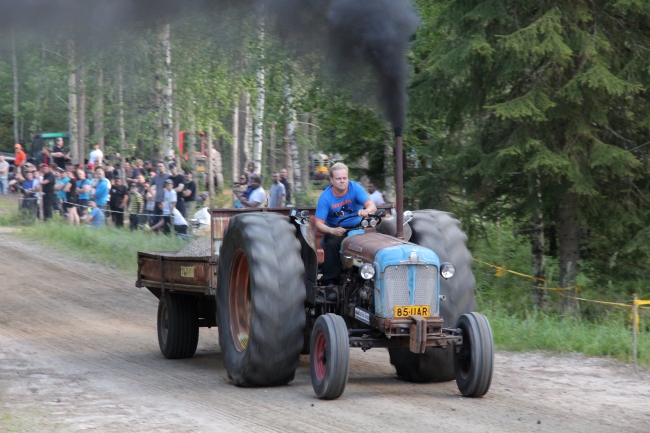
{"type": "Point", "coordinates": [367, 271]}
{"type": "Point", "coordinates": [447, 270]}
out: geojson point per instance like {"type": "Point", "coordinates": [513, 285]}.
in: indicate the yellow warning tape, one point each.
{"type": "Point", "coordinates": [501, 271]}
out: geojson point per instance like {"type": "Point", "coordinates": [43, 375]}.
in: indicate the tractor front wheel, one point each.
{"type": "Point", "coordinates": [473, 364]}
{"type": "Point", "coordinates": [329, 357]}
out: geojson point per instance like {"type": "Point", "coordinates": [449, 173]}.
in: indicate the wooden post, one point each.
{"type": "Point", "coordinates": [635, 324]}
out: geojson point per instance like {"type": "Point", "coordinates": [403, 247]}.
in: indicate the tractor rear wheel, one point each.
{"type": "Point", "coordinates": [440, 232]}
{"type": "Point", "coordinates": [329, 356]}
{"type": "Point", "coordinates": [475, 361]}
{"type": "Point", "coordinates": [260, 300]}
{"type": "Point", "coordinates": [178, 326]}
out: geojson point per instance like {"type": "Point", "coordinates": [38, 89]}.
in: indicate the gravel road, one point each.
{"type": "Point", "coordinates": [78, 351]}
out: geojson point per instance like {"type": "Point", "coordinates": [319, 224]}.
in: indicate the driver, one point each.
{"type": "Point", "coordinates": [341, 199]}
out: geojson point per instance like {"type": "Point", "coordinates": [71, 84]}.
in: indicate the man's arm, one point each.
{"type": "Point", "coordinates": [336, 231]}
{"type": "Point", "coordinates": [369, 208]}
{"type": "Point", "coordinates": [280, 200]}
{"type": "Point", "coordinates": [179, 188]}
{"type": "Point", "coordinates": [124, 201]}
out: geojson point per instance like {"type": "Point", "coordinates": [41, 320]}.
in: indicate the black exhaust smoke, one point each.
{"type": "Point", "coordinates": [359, 37]}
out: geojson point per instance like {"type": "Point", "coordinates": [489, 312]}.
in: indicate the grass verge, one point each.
{"type": "Point", "coordinates": [117, 248]}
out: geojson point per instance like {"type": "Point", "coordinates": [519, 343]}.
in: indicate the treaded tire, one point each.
{"type": "Point", "coordinates": [178, 326]}
{"type": "Point", "coordinates": [440, 232]}
{"type": "Point", "coordinates": [260, 300]}
{"type": "Point", "coordinates": [474, 363]}
{"type": "Point", "coordinates": [329, 359]}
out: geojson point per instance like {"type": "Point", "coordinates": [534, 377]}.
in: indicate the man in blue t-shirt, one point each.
{"type": "Point", "coordinates": [95, 215]}
{"type": "Point", "coordinates": [341, 199]}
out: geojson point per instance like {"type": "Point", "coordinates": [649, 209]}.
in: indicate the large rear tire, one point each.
{"type": "Point", "coordinates": [440, 232]}
{"type": "Point", "coordinates": [260, 300]}
{"type": "Point", "coordinates": [474, 363]}
{"type": "Point", "coordinates": [329, 357]}
{"type": "Point", "coordinates": [178, 326]}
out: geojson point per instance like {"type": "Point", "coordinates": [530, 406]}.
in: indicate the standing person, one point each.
{"type": "Point", "coordinates": [238, 189]}
{"type": "Point", "coordinates": [250, 167]}
{"type": "Point", "coordinates": [136, 206]}
{"type": "Point", "coordinates": [100, 193]}
{"type": "Point", "coordinates": [83, 191]}
{"type": "Point", "coordinates": [189, 194]}
{"type": "Point", "coordinates": [149, 196]}
{"type": "Point", "coordinates": [128, 173]}
{"type": "Point", "coordinates": [29, 193]}
{"type": "Point", "coordinates": [257, 195]}
{"type": "Point", "coordinates": [277, 192]}
{"type": "Point", "coordinates": [95, 215]}
{"type": "Point", "coordinates": [19, 158]}
{"type": "Point", "coordinates": [159, 181]}
{"type": "Point", "coordinates": [119, 197]}
{"type": "Point", "coordinates": [147, 168]}
{"type": "Point", "coordinates": [179, 186]}
{"type": "Point", "coordinates": [61, 197]}
{"type": "Point", "coordinates": [60, 154]}
{"type": "Point", "coordinates": [4, 175]}
{"type": "Point", "coordinates": [44, 157]}
{"type": "Point", "coordinates": [339, 200]}
{"type": "Point", "coordinates": [375, 195]}
{"type": "Point", "coordinates": [287, 185]}
{"type": "Point", "coordinates": [70, 206]}
{"type": "Point", "coordinates": [169, 198]}
{"type": "Point", "coordinates": [96, 156]}
{"type": "Point", "coordinates": [47, 186]}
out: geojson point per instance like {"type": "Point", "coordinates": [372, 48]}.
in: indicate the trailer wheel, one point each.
{"type": "Point", "coordinates": [178, 326]}
{"type": "Point", "coordinates": [440, 232]}
{"type": "Point", "coordinates": [329, 357]}
{"type": "Point", "coordinates": [260, 300]}
{"type": "Point", "coordinates": [474, 363]}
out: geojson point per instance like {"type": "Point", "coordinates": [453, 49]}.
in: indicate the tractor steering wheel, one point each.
{"type": "Point", "coordinates": [376, 216]}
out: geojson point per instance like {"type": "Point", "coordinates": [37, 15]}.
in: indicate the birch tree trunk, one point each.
{"type": "Point", "coordinates": [291, 136]}
{"type": "Point", "coordinates": [304, 149]}
{"type": "Point", "coordinates": [72, 106]}
{"type": "Point", "coordinates": [389, 170]}
{"type": "Point", "coordinates": [122, 131]}
{"type": "Point", "coordinates": [208, 138]}
{"type": "Point", "coordinates": [191, 142]}
{"type": "Point", "coordinates": [14, 61]}
{"type": "Point", "coordinates": [259, 106]}
{"type": "Point", "coordinates": [540, 298]}
{"type": "Point", "coordinates": [235, 142]}
{"type": "Point", "coordinates": [248, 124]}
{"type": "Point", "coordinates": [273, 156]}
{"type": "Point", "coordinates": [82, 114]}
{"type": "Point", "coordinates": [569, 237]}
{"type": "Point", "coordinates": [167, 93]}
{"type": "Point", "coordinates": [98, 124]}
{"type": "Point", "coordinates": [39, 94]}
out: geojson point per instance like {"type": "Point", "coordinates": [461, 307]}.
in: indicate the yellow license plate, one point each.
{"type": "Point", "coordinates": [413, 310]}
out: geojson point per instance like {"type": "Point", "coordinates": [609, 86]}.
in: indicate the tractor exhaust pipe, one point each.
{"type": "Point", "coordinates": [399, 184]}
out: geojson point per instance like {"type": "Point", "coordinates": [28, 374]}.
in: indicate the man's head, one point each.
{"type": "Point", "coordinates": [160, 166]}
{"type": "Point", "coordinates": [372, 187]}
{"type": "Point", "coordinates": [243, 179]}
{"type": "Point", "coordinates": [29, 175]}
{"type": "Point", "coordinates": [127, 165]}
{"type": "Point", "coordinates": [283, 173]}
{"type": "Point", "coordinates": [96, 146]}
{"type": "Point", "coordinates": [140, 179]}
{"type": "Point", "coordinates": [339, 177]}
{"type": "Point", "coordinates": [18, 147]}
{"type": "Point", "coordinates": [276, 177]}
{"type": "Point", "coordinates": [46, 149]}
{"type": "Point", "coordinates": [148, 165]}
{"type": "Point", "coordinates": [91, 203]}
{"type": "Point", "coordinates": [169, 184]}
{"type": "Point", "coordinates": [100, 173]}
{"type": "Point", "coordinates": [59, 142]}
{"type": "Point", "coordinates": [45, 169]}
{"type": "Point", "coordinates": [81, 175]}
{"type": "Point", "coordinates": [250, 167]}
{"type": "Point", "coordinates": [256, 181]}
{"type": "Point", "coordinates": [173, 169]}
{"type": "Point", "coordinates": [133, 188]}
{"type": "Point", "coordinates": [188, 175]}
{"type": "Point", "coordinates": [160, 205]}
{"type": "Point", "coordinates": [2, 158]}
{"type": "Point", "coordinates": [118, 181]}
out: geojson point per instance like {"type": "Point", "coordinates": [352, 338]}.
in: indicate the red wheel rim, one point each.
{"type": "Point", "coordinates": [239, 300]}
{"type": "Point", "coordinates": [320, 360]}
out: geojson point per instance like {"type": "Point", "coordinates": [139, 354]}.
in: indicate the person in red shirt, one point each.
{"type": "Point", "coordinates": [20, 159]}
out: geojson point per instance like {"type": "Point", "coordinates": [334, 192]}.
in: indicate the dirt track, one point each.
{"type": "Point", "coordinates": [78, 351]}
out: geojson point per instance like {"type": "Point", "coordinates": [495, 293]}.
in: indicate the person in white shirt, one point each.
{"type": "Point", "coordinates": [375, 195]}
{"type": "Point", "coordinates": [257, 197]}
{"type": "Point", "coordinates": [169, 198]}
{"type": "Point", "coordinates": [96, 156]}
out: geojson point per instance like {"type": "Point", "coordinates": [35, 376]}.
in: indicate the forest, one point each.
{"type": "Point", "coordinates": [529, 121]}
